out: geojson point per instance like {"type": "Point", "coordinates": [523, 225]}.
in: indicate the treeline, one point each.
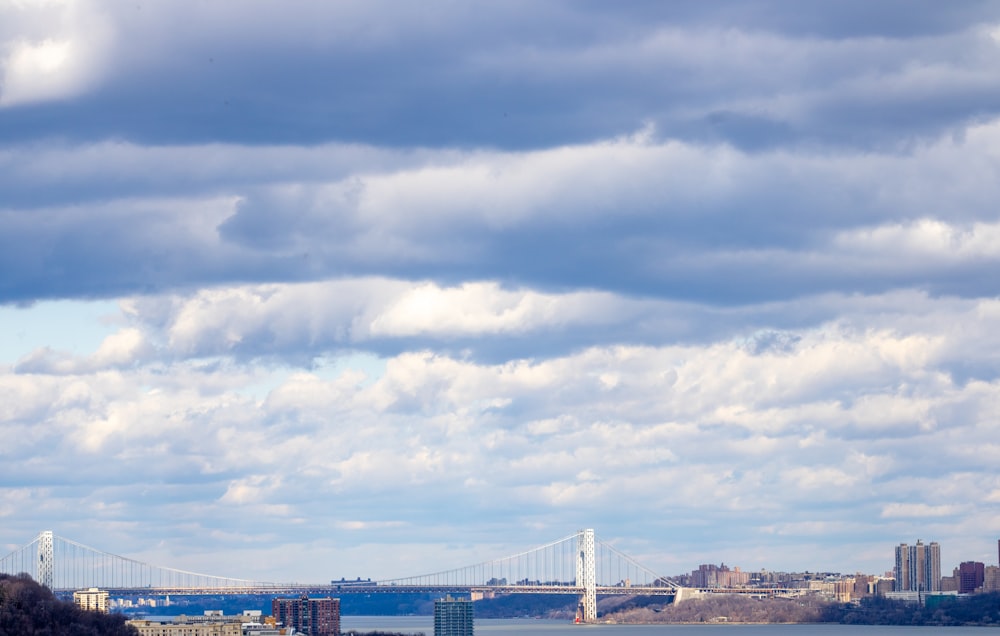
{"type": "Point", "coordinates": [980, 609]}
{"type": "Point", "coordinates": [30, 609]}
{"type": "Point", "coordinates": [723, 608]}
{"type": "Point", "coordinates": [555, 606]}
{"type": "Point", "coordinates": [386, 604]}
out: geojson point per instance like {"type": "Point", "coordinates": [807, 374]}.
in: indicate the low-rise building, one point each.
{"type": "Point", "coordinates": [187, 626]}
{"type": "Point", "coordinates": [924, 598]}
{"type": "Point", "coordinates": [215, 623]}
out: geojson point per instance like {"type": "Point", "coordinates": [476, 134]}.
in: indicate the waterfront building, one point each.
{"type": "Point", "coordinates": [843, 590]}
{"type": "Point", "coordinates": [453, 617]}
{"type": "Point", "coordinates": [918, 567]}
{"type": "Point", "coordinates": [884, 586]}
{"type": "Point", "coordinates": [970, 576]}
{"type": "Point", "coordinates": [92, 599]}
{"type": "Point", "coordinates": [950, 583]}
{"type": "Point", "coordinates": [864, 585]}
{"type": "Point", "coordinates": [901, 573]}
{"type": "Point", "coordinates": [932, 567]}
{"type": "Point", "coordinates": [312, 616]}
{"type": "Point", "coordinates": [710, 575]}
{"type": "Point", "coordinates": [991, 579]}
{"type": "Point", "coordinates": [924, 598]}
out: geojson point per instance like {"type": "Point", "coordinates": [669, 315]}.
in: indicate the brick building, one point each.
{"type": "Point", "coordinates": [312, 616]}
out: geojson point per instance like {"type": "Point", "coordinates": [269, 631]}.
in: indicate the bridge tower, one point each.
{"type": "Point", "coordinates": [46, 556]}
{"type": "Point", "coordinates": [586, 574]}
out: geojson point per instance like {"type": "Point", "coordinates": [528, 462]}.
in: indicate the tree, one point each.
{"type": "Point", "coordinates": [29, 609]}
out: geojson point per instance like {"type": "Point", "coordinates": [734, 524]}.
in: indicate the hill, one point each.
{"type": "Point", "coordinates": [30, 609]}
{"type": "Point", "coordinates": [979, 609]}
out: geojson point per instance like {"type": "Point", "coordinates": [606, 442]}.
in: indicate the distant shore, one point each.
{"type": "Point", "coordinates": [975, 610]}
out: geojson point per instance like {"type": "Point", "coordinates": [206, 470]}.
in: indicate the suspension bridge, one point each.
{"type": "Point", "coordinates": [579, 564]}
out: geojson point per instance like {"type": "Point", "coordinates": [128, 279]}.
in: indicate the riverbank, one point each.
{"type": "Point", "coordinates": [976, 610]}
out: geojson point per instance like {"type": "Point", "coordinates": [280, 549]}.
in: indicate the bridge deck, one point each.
{"type": "Point", "coordinates": [341, 589]}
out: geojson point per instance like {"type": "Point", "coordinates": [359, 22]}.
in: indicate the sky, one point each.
{"type": "Point", "coordinates": [297, 290]}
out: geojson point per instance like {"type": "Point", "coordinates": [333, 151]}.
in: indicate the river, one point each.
{"type": "Point", "coordinates": [540, 627]}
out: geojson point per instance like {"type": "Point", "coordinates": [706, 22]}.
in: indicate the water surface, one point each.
{"type": "Point", "coordinates": [542, 627]}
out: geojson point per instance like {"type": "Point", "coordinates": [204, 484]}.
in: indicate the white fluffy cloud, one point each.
{"type": "Point", "coordinates": [51, 50]}
{"type": "Point", "coordinates": [840, 418]}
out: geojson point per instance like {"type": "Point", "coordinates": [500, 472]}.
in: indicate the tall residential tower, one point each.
{"type": "Point", "coordinates": [918, 567]}
{"type": "Point", "coordinates": [452, 617]}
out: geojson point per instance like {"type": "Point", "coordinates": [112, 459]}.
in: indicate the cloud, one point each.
{"type": "Point", "coordinates": [368, 525]}
{"type": "Point", "coordinates": [413, 286]}
{"type": "Point", "coordinates": [491, 77]}
{"type": "Point", "coordinates": [51, 50]}
{"type": "Point", "coordinates": [919, 510]}
{"type": "Point", "coordinates": [120, 349]}
{"type": "Point", "coordinates": [667, 219]}
{"type": "Point", "coordinates": [601, 428]}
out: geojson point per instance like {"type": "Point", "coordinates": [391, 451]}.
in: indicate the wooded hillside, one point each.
{"type": "Point", "coordinates": [29, 609]}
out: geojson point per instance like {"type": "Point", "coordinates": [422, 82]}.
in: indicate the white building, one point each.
{"type": "Point", "coordinates": [92, 599]}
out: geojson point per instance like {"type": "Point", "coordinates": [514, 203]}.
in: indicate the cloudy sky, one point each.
{"type": "Point", "coordinates": [299, 290]}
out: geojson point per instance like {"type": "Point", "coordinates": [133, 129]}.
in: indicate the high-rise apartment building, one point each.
{"type": "Point", "coordinates": [312, 616]}
{"type": "Point", "coordinates": [902, 570]}
{"type": "Point", "coordinates": [918, 567]}
{"type": "Point", "coordinates": [932, 566]}
{"type": "Point", "coordinates": [453, 617]}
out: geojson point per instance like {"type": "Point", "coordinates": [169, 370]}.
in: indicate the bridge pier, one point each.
{"type": "Point", "coordinates": [46, 555]}
{"type": "Point", "coordinates": [686, 593]}
{"type": "Point", "coordinates": [586, 574]}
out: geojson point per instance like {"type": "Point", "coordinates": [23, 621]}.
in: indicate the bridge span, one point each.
{"type": "Point", "coordinates": [578, 564]}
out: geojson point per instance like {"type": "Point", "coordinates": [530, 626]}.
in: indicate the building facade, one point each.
{"type": "Point", "coordinates": [950, 583]}
{"type": "Point", "coordinates": [932, 567]}
{"type": "Point", "coordinates": [312, 616]}
{"type": "Point", "coordinates": [453, 617]}
{"type": "Point", "coordinates": [991, 578]}
{"type": "Point", "coordinates": [710, 575]}
{"type": "Point", "coordinates": [971, 575]}
{"type": "Point", "coordinates": [180, 627]}
{"type": "Point", "coordinates": [918, 567]}
{"type": "Point", "coordinates": [91, 599]}
{"type": "Point", "coordinates": [902, 570]}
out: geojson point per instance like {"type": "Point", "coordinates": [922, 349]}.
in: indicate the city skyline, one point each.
{"type": "Point", "coordinates": [313, 290]}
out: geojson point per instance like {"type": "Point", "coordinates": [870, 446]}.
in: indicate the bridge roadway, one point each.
{"type": "Point", "coordinates": [340, 589]}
